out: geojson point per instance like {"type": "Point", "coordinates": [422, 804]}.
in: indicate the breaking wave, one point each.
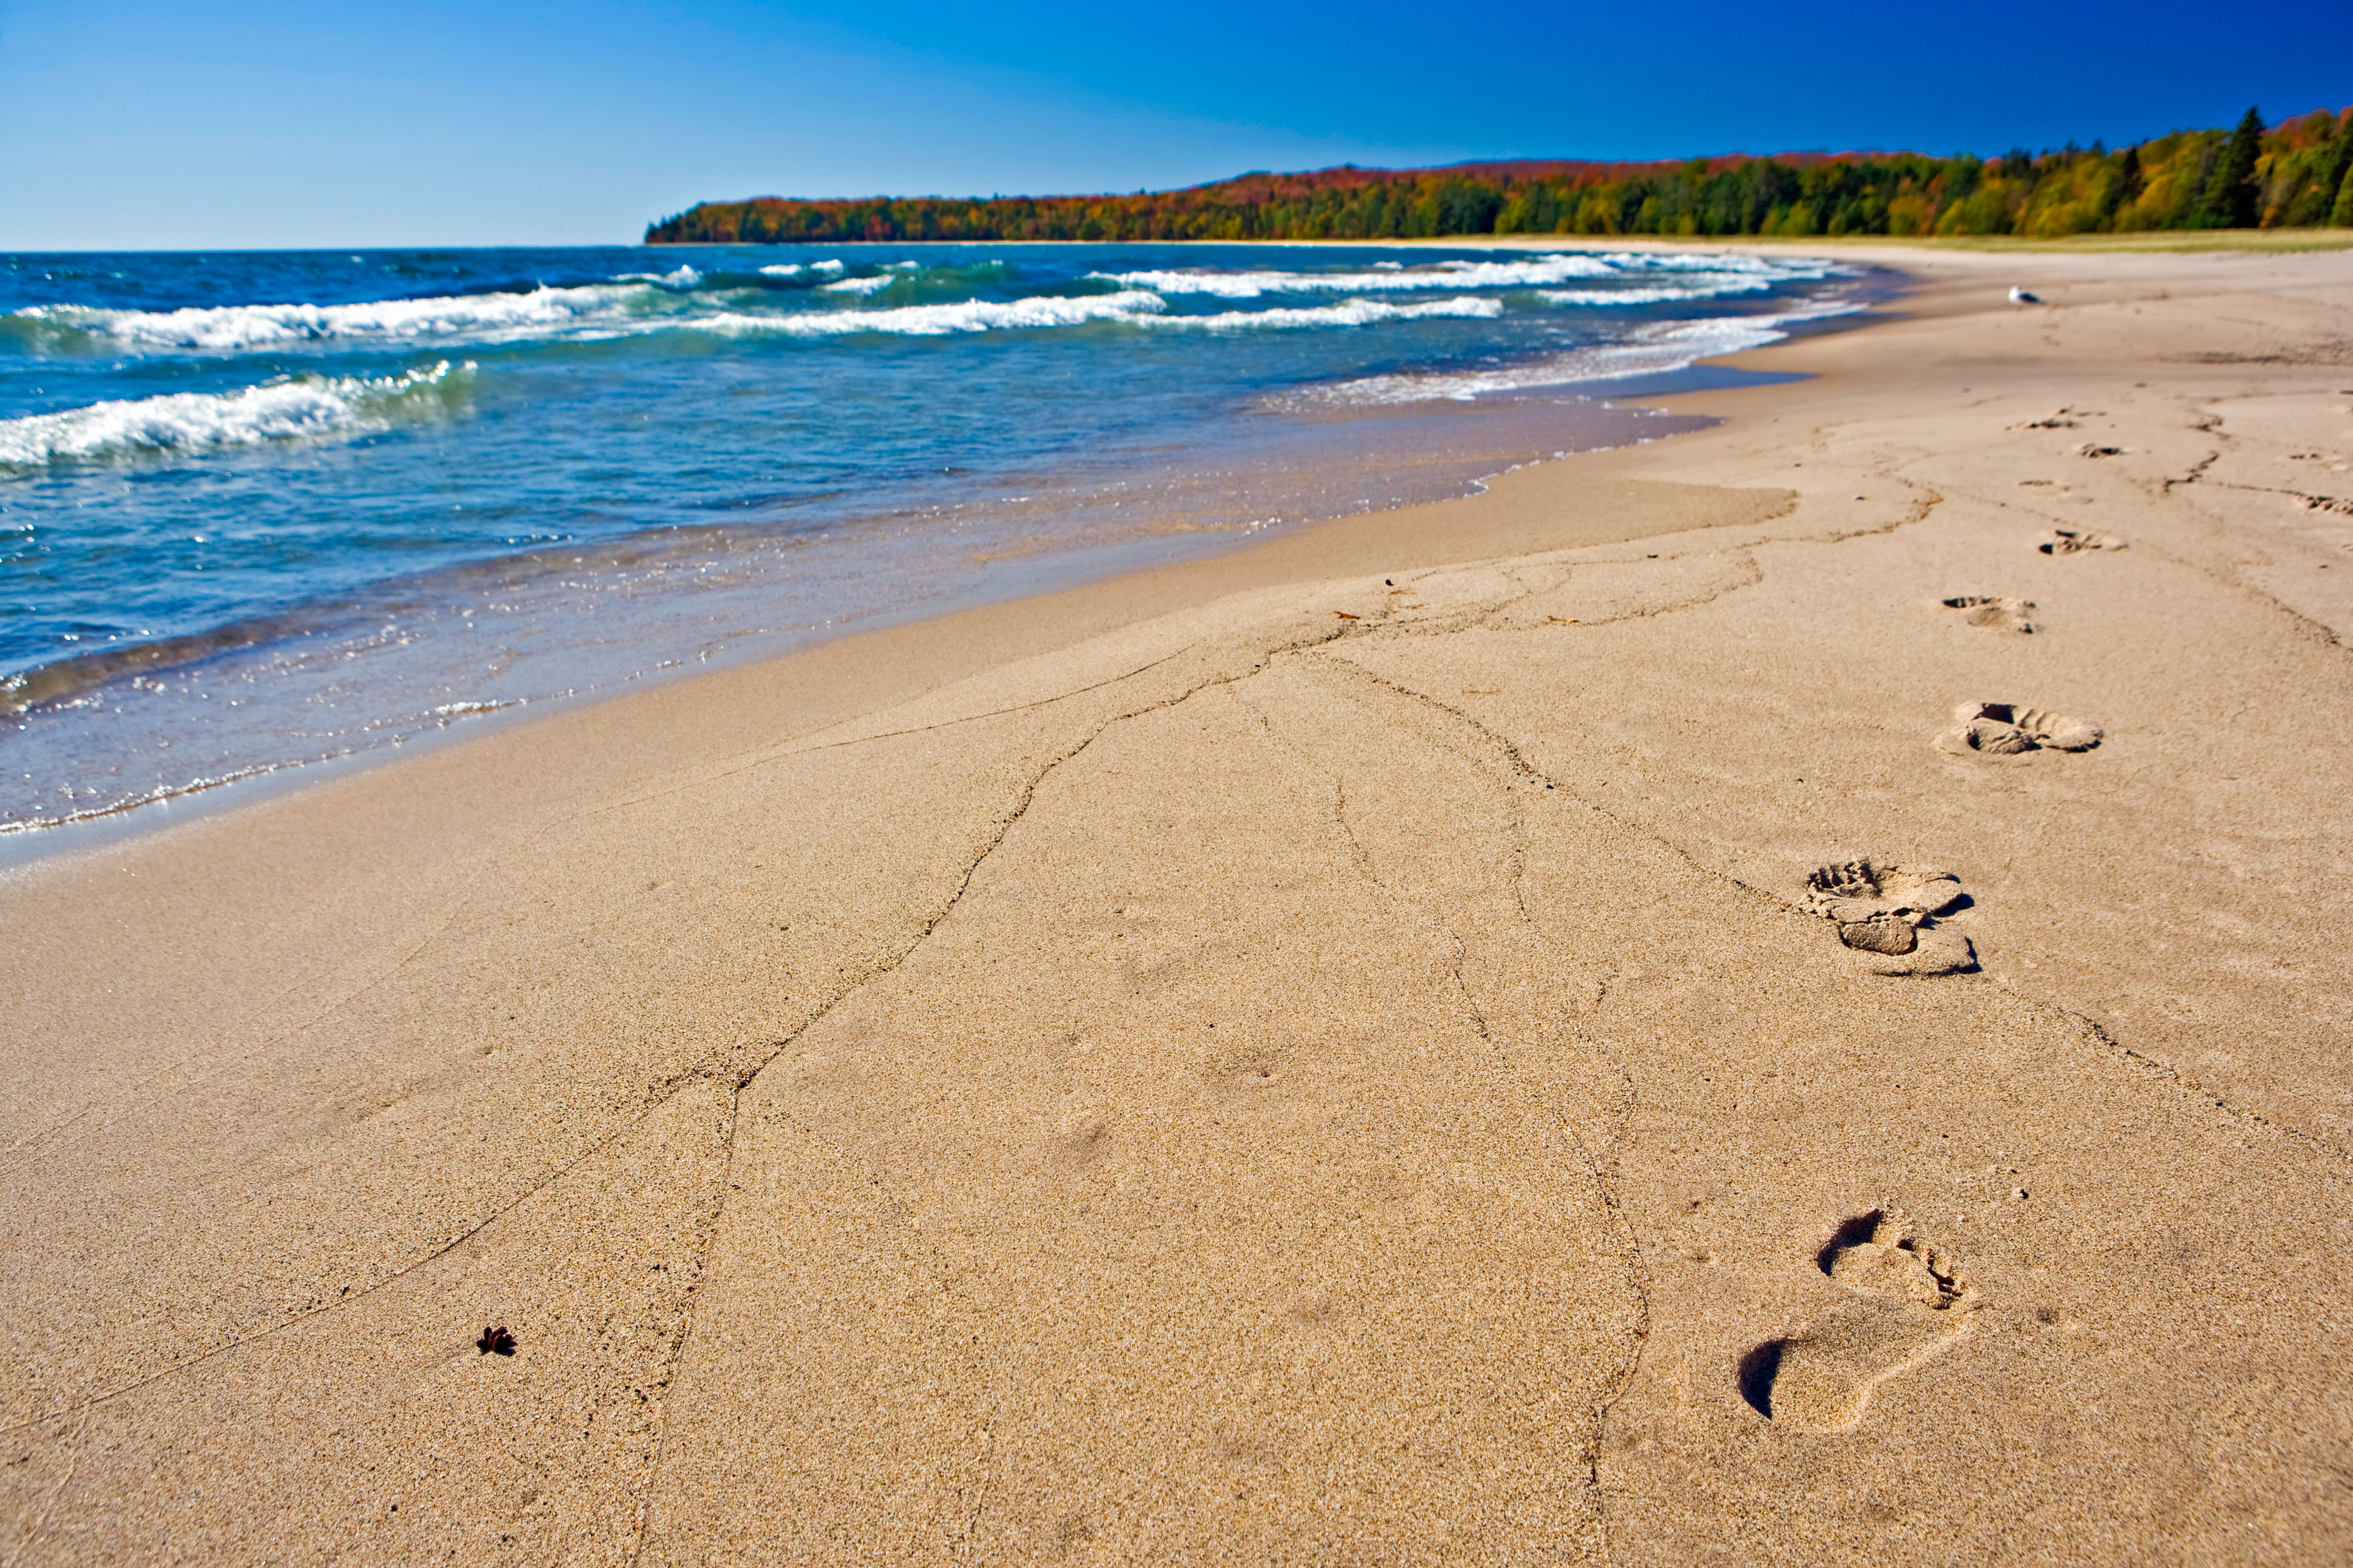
{"type": "Point", "coordinates": [827, 299]}
{"type": "Point", "coordinates": [1133, 307]}
{"type": "Point", "coordinates": [1699, 285]}
{"type": "Point", "coordinates": [305, 406]}
{"type": "Point", "coordinates": [1444, 275]}
{"type": "Point", "coordinates": [1350, 313]}
{"type": "Point", "coordinates": [937, 321]}
{"type": "Point", "coordinates": [1533, 272]}
{"type": "Point", "coordinates": [1666, 346]}
{"type": "Point", "coordinates": [232, 329]}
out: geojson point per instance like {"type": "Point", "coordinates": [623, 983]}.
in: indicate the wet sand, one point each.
{"type": "Point", "coordinates": [1606, 1022]}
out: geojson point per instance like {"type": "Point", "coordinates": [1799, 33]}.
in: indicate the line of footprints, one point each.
{"type": "Point", "coordinates": [1890, 914]}
{"type": "Point", "coordinates": [1905, 1301]}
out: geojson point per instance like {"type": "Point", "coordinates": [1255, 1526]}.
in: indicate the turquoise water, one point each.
{"type": "Point", "coordinates": [260, 509]}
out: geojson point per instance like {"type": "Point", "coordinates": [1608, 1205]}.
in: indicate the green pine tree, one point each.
{"type": "Point", "coordinates": [2123, 189]}
{"type": "Point", "coordinates": [2232, 197]}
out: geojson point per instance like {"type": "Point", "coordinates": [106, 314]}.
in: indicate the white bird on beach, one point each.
{"type": "Point", "coordinates": [2021, 297]}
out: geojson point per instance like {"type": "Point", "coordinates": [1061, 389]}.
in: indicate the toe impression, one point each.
{"type": "Point", "coordinates": [1890, 911]}
{"type": "Point", "coordinates": [1906, 1302]}
{"type": "Point", "coordinates": [2007, 729]}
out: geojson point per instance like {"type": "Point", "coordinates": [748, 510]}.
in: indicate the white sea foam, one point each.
{"type": "Point", "coordinates": [1666, 346]}
{"type": "Point", "coordinates": [1716, 261]}
{"type": "Point", "coordinates": [196, 421]}
{"type": "Point", "coordinates": [488, 317]}
{"type": "Point", "coordinates": [832, 269]}
{"type": "Point", "coordinates": [936, 321]}
{"type": "Point", "coordinates": [1347, 313]}
{"type": "Point", "coordinates": [651, 303]}
{"type": "Point", "coordinates": [1444, 275]}
{"type": "Point", "coordinates": [608, 310]}
{"type": "Point", "coordinates": [1136, 307]}
{"type": "Point", "coordinates": [1696, 286]}
{"type": "Point", "coordinates": [1390, 276]}
{"type": "Point", "coordinates": [683, 278]}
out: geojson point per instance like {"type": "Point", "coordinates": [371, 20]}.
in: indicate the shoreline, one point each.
{"type": "Point", "coordinates": [32, 845]}
{"type": "Point", "coordinates": [29, 842]}
{"type": "Point", "coordinates": [247, 663]}
{"type": "Point", "coordinates": [1328, 1048]}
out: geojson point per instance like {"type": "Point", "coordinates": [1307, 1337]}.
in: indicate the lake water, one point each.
{"type": "Point", "coordinates": [262, 510]}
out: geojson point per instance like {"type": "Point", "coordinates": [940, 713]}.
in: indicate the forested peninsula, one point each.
{"type": "Point", "coordinates": [2291, 174]}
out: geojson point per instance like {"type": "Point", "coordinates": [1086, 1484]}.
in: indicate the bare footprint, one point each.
{"type": "Point", "coordinates": [1906, 1302]}
{"type": "Point", "coordinates": [1890, 912]}
{"type": "Point", "coordinates": [2005, 729]}
{"type": "Point", "coordinates": [2071, 541]}
{"type": "Point", "coordinates": [2006, 615]}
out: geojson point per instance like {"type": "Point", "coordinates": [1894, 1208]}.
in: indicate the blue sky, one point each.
{"type": "Point", "coordinates": [140, 125]}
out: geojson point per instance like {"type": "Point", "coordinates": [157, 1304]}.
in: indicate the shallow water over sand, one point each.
{"type": "Point", "coordinates": [258, 511]}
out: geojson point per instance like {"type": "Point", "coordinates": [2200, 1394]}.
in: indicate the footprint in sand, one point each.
{"type": "Point", "coordinates": [1890, 912]}
{"type": "Point", "coordinates": [1906, 1302]}
{"type": "Point", "coordinates": [2004, 615]}
{"type": "Point", "coordinates": [2070, 542]}
{"type": "Point", "coordinates": [2005, 730]}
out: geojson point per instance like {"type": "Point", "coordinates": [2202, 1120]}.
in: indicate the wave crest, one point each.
{"type": "Point", "coordinates": [306, 406]}
{"type": "Point", "coordinates": [1702, 287]}
{"type": "Point", "coordinates": [236, 328]}
{"type": "Point", "coordinates": [936, 321]}
{"type": "Point", "coordinates": [1390, 276]}
{"type": "Point", "coordinates": [1348, 313]}
{"type": "Point", "coordinates": [691, 301]}
{"type": "Point", "coordinates": [1445, 275]}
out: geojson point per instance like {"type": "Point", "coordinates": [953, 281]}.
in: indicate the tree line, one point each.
{"type": "Point", "coordinates": [2292, 174]}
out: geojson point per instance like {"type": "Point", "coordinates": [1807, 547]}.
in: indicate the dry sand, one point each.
{"type": "Point", "coordinates": [1329, 1055]}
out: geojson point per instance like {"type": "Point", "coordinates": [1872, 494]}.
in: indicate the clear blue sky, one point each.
{"type": "Point", "coordinates": [145, 125]}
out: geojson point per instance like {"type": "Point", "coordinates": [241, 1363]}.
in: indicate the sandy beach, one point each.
{"type": "Point", "coordinates": [1775, 997]}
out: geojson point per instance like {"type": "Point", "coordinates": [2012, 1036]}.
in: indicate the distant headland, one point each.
{"type": "Point", "coordinates": [2291, 174]}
